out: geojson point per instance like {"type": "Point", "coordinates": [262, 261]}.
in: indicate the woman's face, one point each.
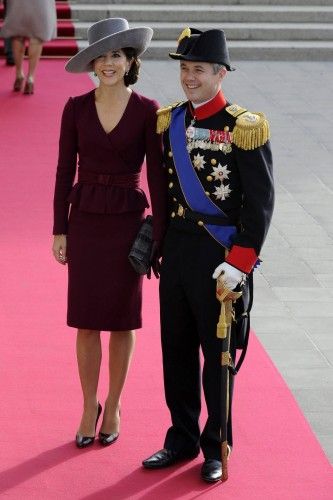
{"type": "Point", "coordinates": [111, 67]}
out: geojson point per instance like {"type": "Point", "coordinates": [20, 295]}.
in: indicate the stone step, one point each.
{"type": "Point", "coordinates": [210, 2]}
{"type": "Point", "coordinates": [188, 14]}
{"type": "Point", "coordinates": [253, 50]}
{"type": "Point", "coordinates": [237, 31]}
{"type": "Point", "coordinates": [256, 29]}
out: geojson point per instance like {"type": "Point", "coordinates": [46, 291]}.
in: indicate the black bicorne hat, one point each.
{"type": "Point", "coordinates": [204, 46]}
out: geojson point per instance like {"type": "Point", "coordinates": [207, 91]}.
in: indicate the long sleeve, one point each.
{"type": "Point", "coordinates": [256, 175]}
{"type": "Point", "coordinates": [66, 168]}
{"type": "Point", "coordinates": [156, 175]}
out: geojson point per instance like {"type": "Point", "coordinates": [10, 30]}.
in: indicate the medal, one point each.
{"type": "Point", "coordinates": [190, 131]}
{"type": "Point", "coordinates": [203, 138]}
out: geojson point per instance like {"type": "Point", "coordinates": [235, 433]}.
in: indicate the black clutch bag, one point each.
{"type": "Point", "coordinates": [140, 253]}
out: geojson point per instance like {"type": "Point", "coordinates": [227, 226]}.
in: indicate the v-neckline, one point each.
{"type": "Point", "coordinates": [108, 134]}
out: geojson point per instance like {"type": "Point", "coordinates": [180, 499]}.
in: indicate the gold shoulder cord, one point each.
{"type": "Point", "coordinates": [251, 129]}
{"type": "Point", "coordinates": [164, 117]}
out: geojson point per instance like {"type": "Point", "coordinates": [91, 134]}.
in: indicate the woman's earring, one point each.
{"type": "Point", "coordinates": [95, 74]}
{"type": "Point", "coordinates": [126, 74]}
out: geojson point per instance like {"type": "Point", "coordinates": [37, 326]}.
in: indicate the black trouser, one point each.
{"type": "Point", "coordinates": [189, 315]}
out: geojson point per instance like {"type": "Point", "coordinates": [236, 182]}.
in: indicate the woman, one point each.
{"type": "Point", "coordinates": [35, 20]}
{"type": "Point", "coordinates": [110, 129]}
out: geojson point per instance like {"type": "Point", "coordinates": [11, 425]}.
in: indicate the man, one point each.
{"type": "Point", "coordinates": [220, 188]}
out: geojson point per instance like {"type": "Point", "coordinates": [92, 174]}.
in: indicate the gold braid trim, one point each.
{"type": "Point", "coordinates": [251, 131]}
{"type": "Point", "coordinates": [235, 110]}
{"type": "Point", "coordinates": [225, 358]}
{"type": "Point", "coordinates": [164, 117]}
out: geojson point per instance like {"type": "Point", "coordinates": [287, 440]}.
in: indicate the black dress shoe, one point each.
{"type": "Point", "coordinates": [211, 470]}
{"type": "Point", "coordinates": [164, 458]}
{"type": "Point", "coordinates": [84, 441]}
{"type": "Point", "coordinates": [107, 439]}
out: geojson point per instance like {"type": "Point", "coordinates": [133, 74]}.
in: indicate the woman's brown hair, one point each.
{"type": "Point", "coordinates": [133, 73]}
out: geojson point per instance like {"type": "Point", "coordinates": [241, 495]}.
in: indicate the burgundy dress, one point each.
{"type": "Point", "coordinates": [101, 214]}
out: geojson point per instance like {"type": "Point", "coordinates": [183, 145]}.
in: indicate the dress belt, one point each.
{"type": "Point", "coordinates": [198, 218]}
{"type": "Point", "coordinates": [119, 180]}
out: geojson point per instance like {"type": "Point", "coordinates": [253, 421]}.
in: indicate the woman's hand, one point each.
{"type": "Point", "coordinates": [155, 263]}
{"type": "Point", "coordinates": [59, 248]}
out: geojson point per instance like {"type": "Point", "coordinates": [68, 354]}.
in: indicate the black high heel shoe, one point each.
{"type": "Point", "coordinates": [107, 439]}
{"type": "Point", "coordinates": [84, 441]}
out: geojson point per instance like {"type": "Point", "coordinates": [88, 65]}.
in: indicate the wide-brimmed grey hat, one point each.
{"type": "Point", "coordinates": [105, 35]}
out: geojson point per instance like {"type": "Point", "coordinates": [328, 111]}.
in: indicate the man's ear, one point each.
{"type": "Point", "coordinates": [223, 73]}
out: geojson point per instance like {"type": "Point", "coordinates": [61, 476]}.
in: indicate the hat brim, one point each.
{"type": "Point", "coordinates": [137, 38]}
{"type": "Point", "coordinates": [193, 58]}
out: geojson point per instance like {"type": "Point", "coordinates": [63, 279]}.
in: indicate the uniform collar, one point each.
{"type": "Point", "coordinates": [209, 108]}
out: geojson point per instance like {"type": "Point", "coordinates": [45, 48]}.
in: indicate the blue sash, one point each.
{"type": "Point", "coordinates": [190, 184]}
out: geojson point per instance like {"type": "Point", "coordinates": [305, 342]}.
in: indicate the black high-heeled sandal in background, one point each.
{"type": "Point", "coordinates": [18, 84]}
{"type": "Point", "coordinates": [84, 441]}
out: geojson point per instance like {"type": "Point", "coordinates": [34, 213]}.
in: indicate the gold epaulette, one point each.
{"type": "Point", "coordinates": [251, 129]}
{"type": "Point", "coordinates": [164, 117]}
{"type": "Point", "coordinates": [235, 110]}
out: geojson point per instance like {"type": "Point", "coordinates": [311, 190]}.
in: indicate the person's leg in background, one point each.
{"type": "Point", "coordinates": [9, 52]}
{"type": "Point", "coordinates": [34, 53]}
{"type": "Point", "coordinates": [18, 47]}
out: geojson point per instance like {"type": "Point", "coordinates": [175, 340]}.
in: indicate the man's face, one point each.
{"type": "Point", "coordinates": [199, 82]}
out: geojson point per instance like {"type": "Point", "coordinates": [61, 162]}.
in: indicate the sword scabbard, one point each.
{"type": "Point", "coordinates": [224, 455]}
{"type": "Point", "coordinates": [223, 331]}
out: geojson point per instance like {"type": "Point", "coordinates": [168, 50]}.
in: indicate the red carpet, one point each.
{"type": "Point", "coordinates": [276, 455]}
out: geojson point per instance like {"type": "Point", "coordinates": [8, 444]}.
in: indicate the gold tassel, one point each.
{"type": "Point", "coordinates": [163, 119]}
{"type": "Point", "coordinates": [226, 298]}
{"type": "Point", "coordinates": [222, 325]}
{"type": "Point", "coordinates": [251, 131]}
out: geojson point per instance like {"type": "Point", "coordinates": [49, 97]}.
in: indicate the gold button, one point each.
{"type": "Point", "coordinates": [174, 199]}
{"type": "Point", "coordinates": [207, 193]}
{"type": "Point", "coordinates": [209, 178]}
{"type": "Point", "coordinates": [226, 129]}
{"type": "Point", "coordinates": [200, 223]}
{"type": "Point", "coordinates": [170, 185]}
{"type": "Point", "coordinates": [213, 161]}
{"type": "Point", "coordinates": [170, 171]}
{"type": "Point", "coordinates": [170, 154]}
{"type": "Point", "coordinates": [173, 214]}
{"type": "Point", "coordinates": [180, 211]}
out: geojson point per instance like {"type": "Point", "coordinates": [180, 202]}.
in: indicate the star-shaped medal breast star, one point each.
{"type": "Point", "coordinates": [222, 192]}
{"type": "Point", "coordinates": [199, 162]}
{"type": "Point", "coordinates": [220, 173]}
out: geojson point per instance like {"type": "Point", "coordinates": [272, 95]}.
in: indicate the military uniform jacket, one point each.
{"type": "Point", "coordinates": [231, 155]}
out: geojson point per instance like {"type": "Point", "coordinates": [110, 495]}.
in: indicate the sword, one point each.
{"type": "Point", "coordinates": [223, 331]}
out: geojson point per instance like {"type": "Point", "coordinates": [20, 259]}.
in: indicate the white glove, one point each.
{"type": "Point", "coordinates": [231, 275]}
